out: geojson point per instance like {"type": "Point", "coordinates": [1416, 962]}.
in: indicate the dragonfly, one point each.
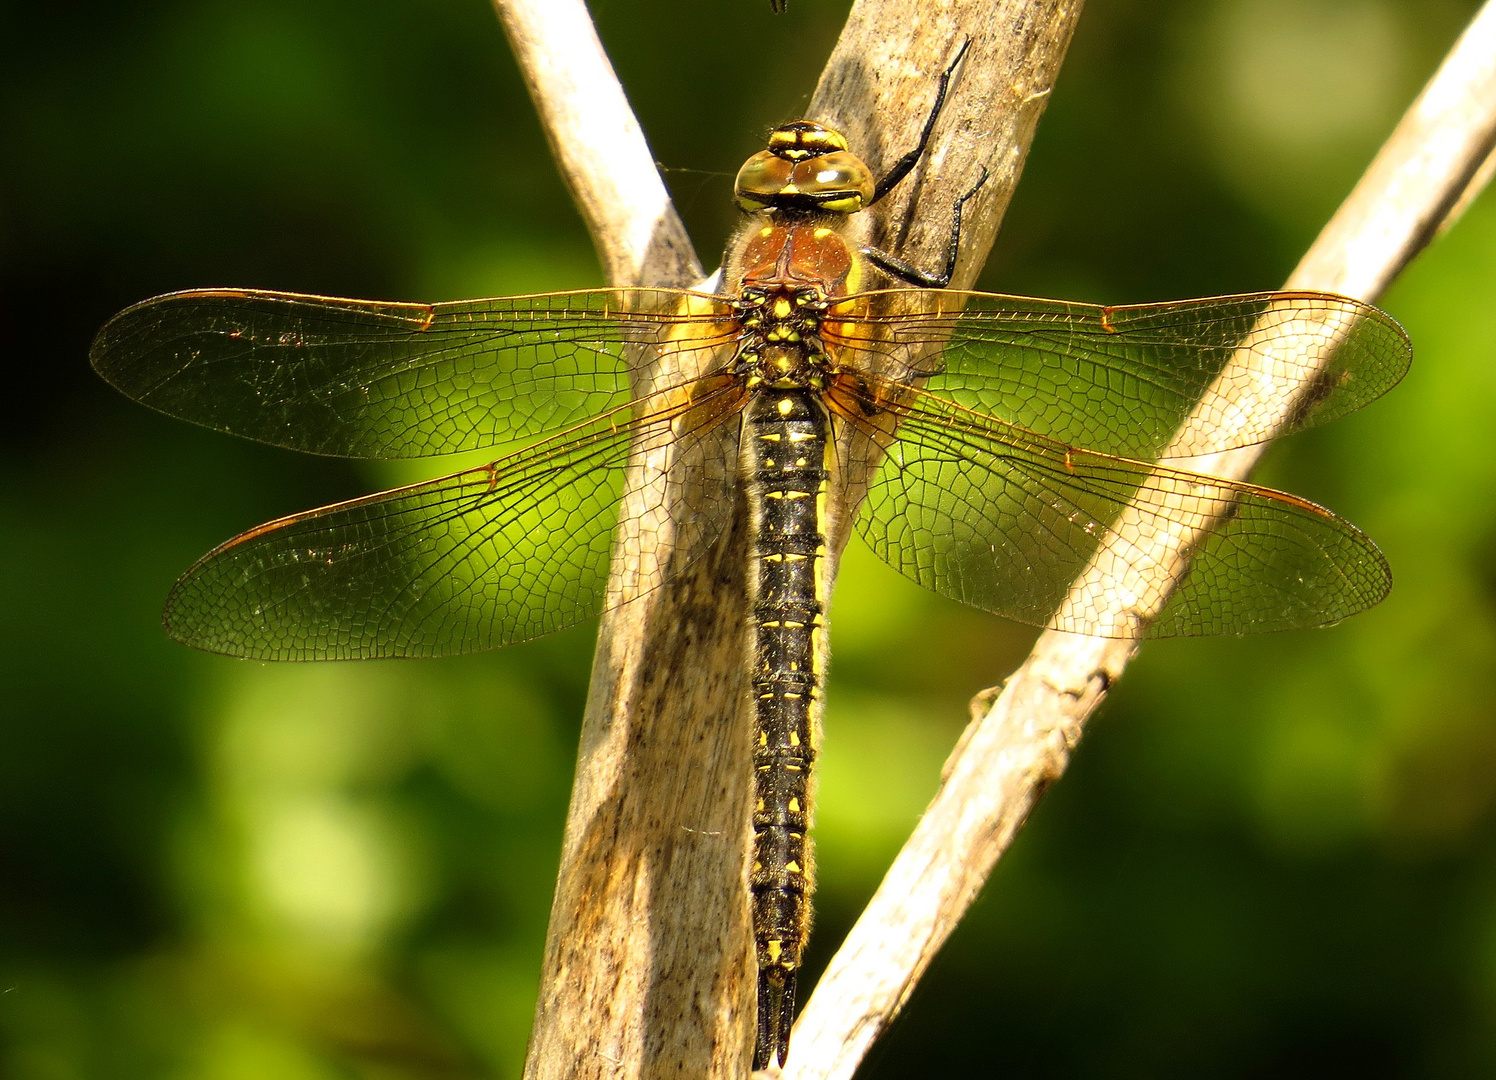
{"type": "Point", "coordinates": [998, 444]}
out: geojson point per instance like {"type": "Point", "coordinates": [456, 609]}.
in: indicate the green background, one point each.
{"type": "Point", "coordinates": [1271, 857]}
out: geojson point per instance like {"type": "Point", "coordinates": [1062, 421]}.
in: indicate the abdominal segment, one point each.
{"type": "Point", "coordinates": [785, 448]}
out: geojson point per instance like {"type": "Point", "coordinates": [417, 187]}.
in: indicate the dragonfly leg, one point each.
{"type": "Point", "coordinates": [905, 164]}
{"type": "Point", "coordinates": [896, 267]}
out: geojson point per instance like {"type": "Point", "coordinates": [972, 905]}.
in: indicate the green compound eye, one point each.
{"type": "Point", "coordinates": [835, 181]}
{"type": "Point", "coordinates": [762, 178]}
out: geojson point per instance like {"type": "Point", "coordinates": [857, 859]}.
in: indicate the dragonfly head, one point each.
{"type": "Point", "coordinates": [807, 169]}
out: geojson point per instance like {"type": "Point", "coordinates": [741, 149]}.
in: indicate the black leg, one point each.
{"type": "Point", "coordinates": [895, 267]}
{"type": "Point", "coordinates": [902, 167]}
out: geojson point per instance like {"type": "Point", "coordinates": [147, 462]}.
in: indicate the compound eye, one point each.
{"type": "Point", "coordinates": [838, 182]}
{"type": "Point", "coordinates": [761, 180]}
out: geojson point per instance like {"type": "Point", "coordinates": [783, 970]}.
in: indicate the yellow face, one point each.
{"type": "Point", "coordinates": [806, 168]}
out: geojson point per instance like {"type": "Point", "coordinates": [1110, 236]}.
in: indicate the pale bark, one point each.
{"type": "Point", "coordinates": [1021, 737]}
{"type": "Point", "coordinates": [648, 968]}
{"type": "Point", "coordinates": [598, 145]}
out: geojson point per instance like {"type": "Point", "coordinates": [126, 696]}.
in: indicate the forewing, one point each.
{"type": "Point", "coordinates": [359, 378]}
{"type": "Point", "coordinates": [1005, 521]}
{"type": "Point", "coordinates": [479, 559]}
{"type": "Point", "coordinates": [1122, 380]}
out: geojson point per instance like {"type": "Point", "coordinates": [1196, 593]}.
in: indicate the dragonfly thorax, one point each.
{"type": "Point", "coordinates": [787, 276]}
{"type": "Point", "coordinates": [781, 345]}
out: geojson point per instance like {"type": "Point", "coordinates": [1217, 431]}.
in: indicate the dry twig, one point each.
{"type": "Point", "coordinates": [648, 968]}
{"type": "Point", "coordinates": [598, 144]}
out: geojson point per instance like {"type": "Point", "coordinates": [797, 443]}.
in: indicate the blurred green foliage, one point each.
{"type": "Point", "coordinates": [1271, 857]}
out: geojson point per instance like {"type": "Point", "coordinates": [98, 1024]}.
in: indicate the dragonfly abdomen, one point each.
{"type": "Point", "coordinates": [786, 471]}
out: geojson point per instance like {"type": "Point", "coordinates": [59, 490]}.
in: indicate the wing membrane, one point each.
{"type": "Point", "coordinates": [359, 378]}
{"type": "Point", "coordinates": [475, 560]}
{"type": "Point", "coordinates": [982, 496]}
{"type": "Point", "coordinates": [1122, 380]}
{"type": "Point", "coordinates": [1007, 521]}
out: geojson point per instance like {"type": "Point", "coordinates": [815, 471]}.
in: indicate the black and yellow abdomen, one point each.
{"type": "Point", "coordinates": [785, 466]}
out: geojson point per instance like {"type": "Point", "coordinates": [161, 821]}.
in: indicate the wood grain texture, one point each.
{"type": "Point", "coordinates": [648, 969]}
{"type": "Point", "coordinates": [1022, 734]}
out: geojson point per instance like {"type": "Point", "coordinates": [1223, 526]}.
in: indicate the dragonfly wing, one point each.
{"type": "Point", "coordinates": [1122, 380]}
{"type": "Point", "coordinates": [471, 561]}
{"type": "Point", "coordinates": [1009, 522]}
{"type": "Point", "coordinates": [359, 378]}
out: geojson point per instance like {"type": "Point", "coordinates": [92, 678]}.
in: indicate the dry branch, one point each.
{"type": "Point", "coordinates": [598, 145]}
{"type": "Point", "coordinates": [649, 968]}
{"type": "Point", "coordinates": [1021, 738]}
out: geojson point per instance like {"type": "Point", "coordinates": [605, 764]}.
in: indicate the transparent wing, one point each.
{"type": "Point", "coordinates": [360, 378]}
{"type": "Point", "coordinates": [1122, 380]}
{"type": "Point", "coordinates": [479, 559]}
{"type": "Point", "coordinates": [1007, 521]}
